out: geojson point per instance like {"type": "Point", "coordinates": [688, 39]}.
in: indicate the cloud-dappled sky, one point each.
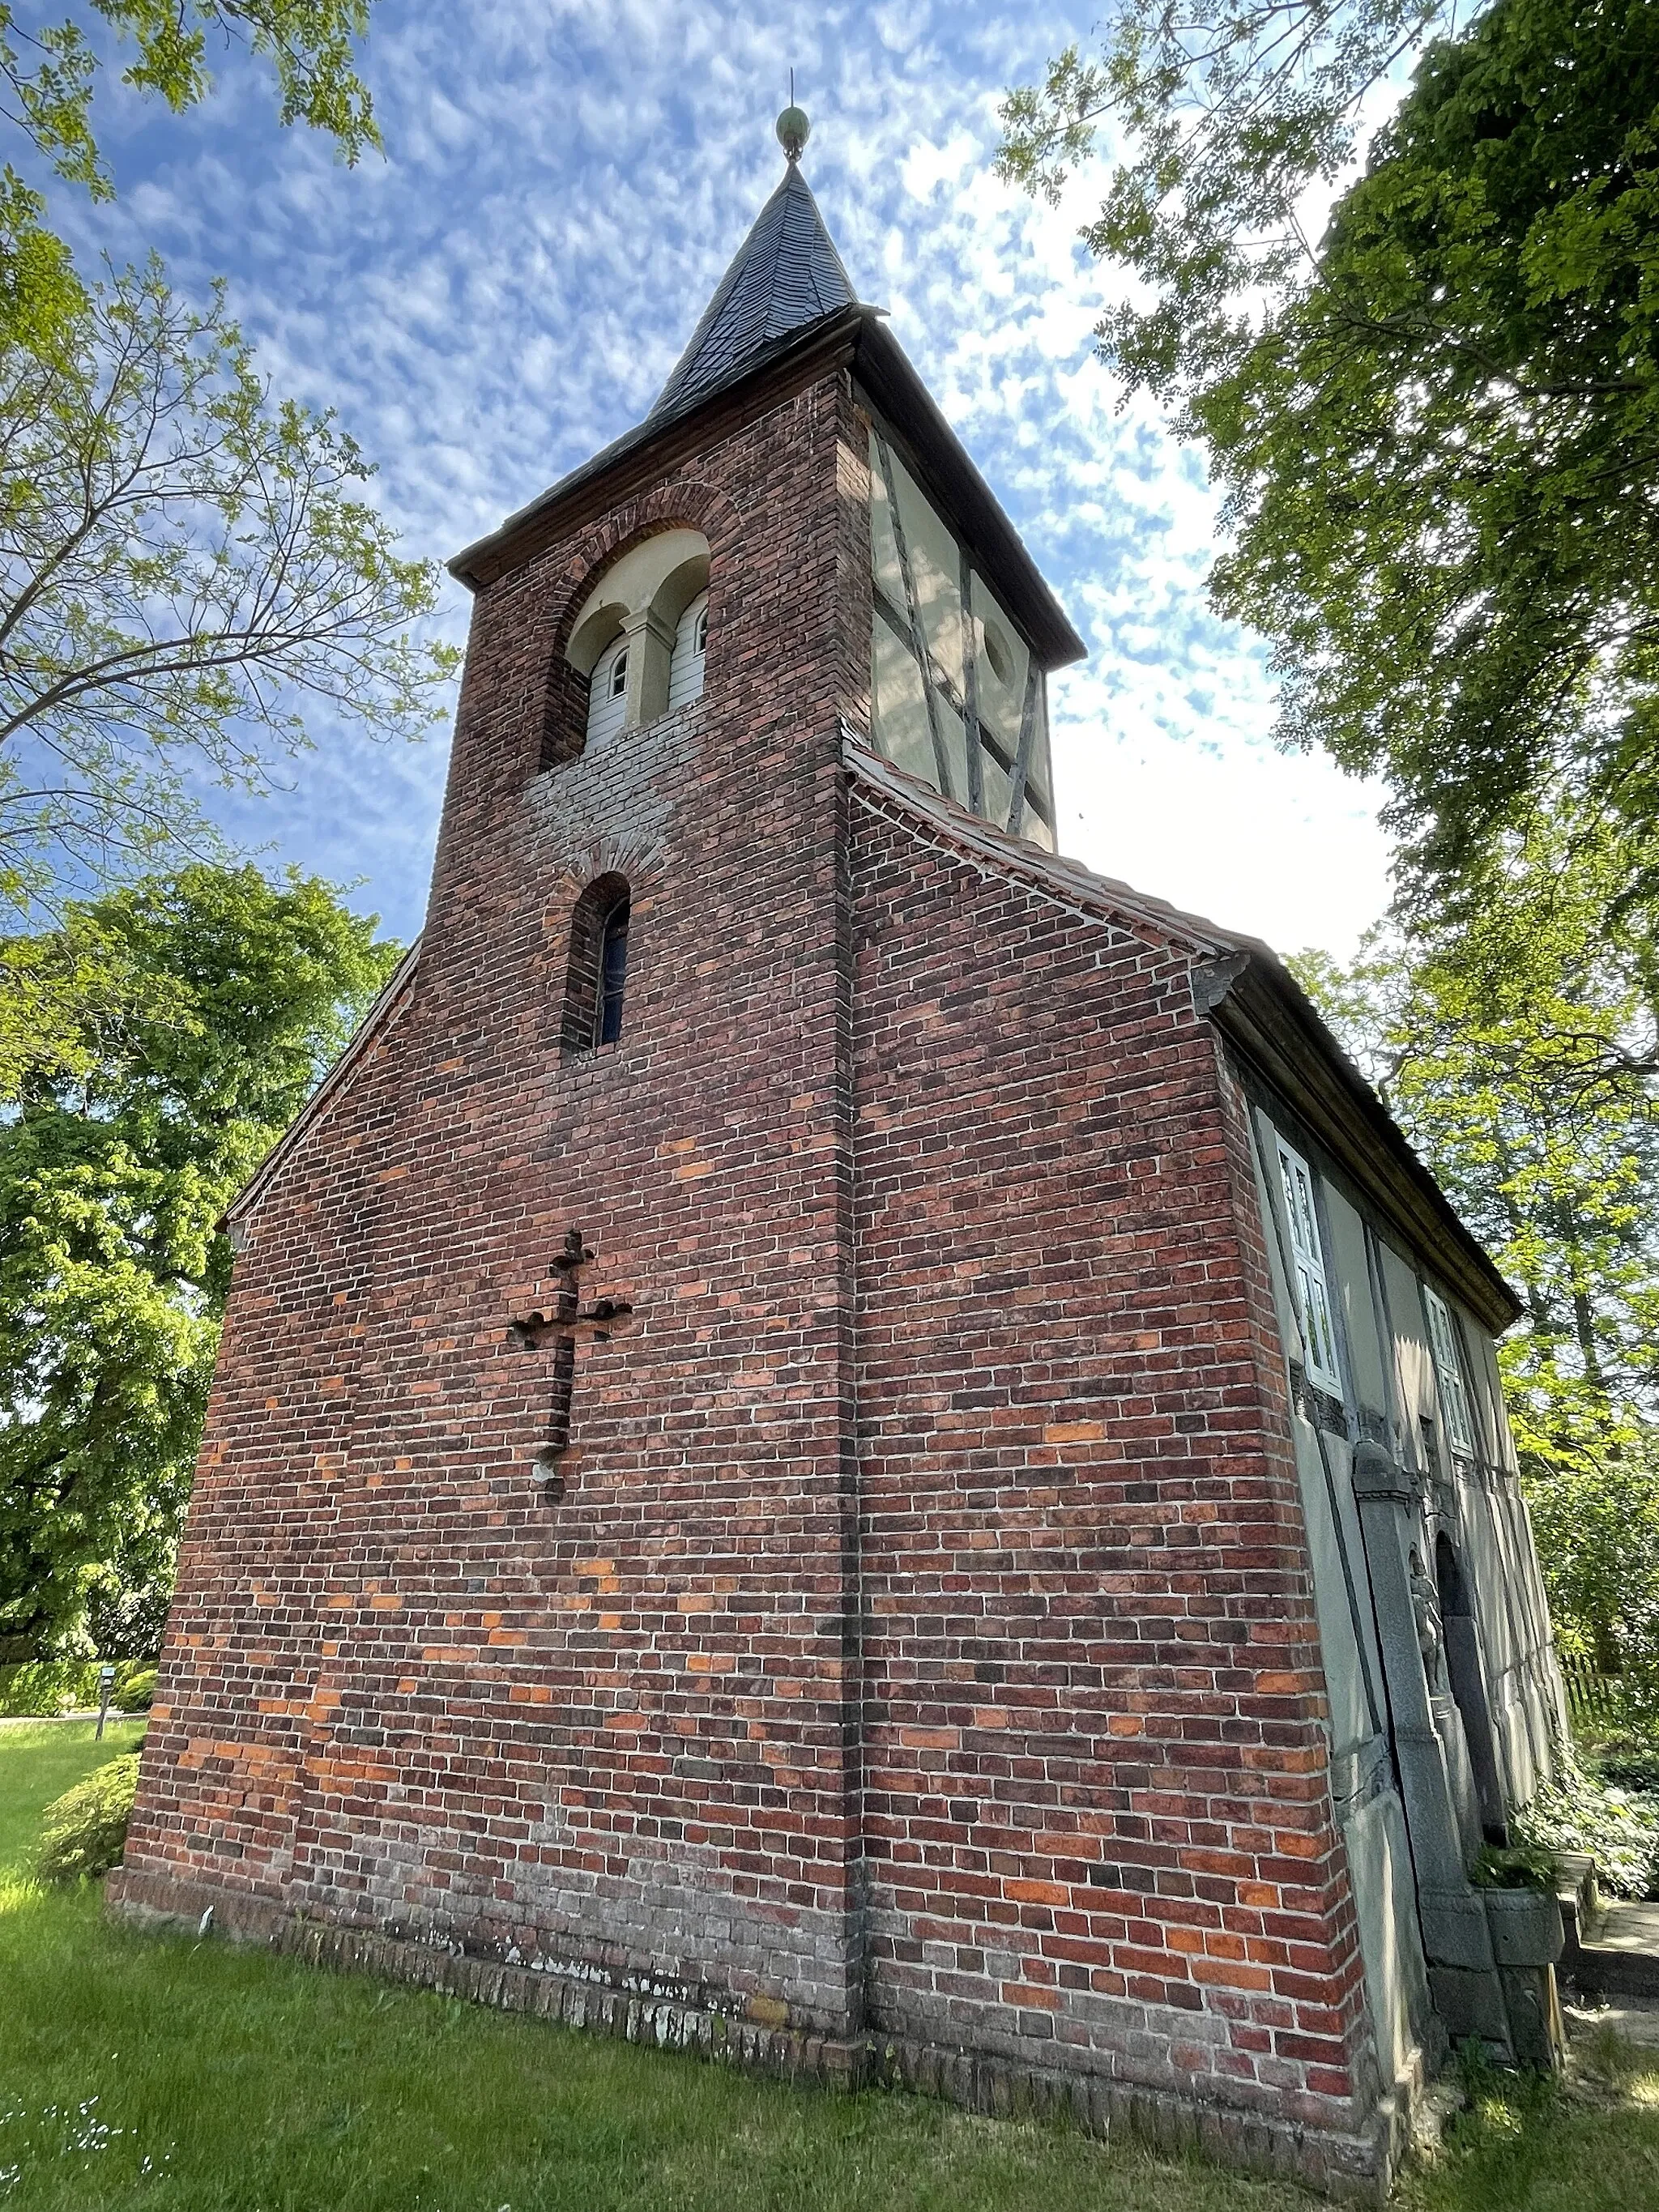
{"type": "Point", "coordinates": [564, 183]}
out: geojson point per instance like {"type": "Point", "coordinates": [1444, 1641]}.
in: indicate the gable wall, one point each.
{"type": "Point", "coordinates": [1096, 1790]}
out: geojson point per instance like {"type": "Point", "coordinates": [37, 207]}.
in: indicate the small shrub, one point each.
{"type": "Point", "coordinates": [49, 1686]}
{"type": "Point", "coordinates": [84, 1831]}
{"type": "Point", "coordinates": [1520, 1866]}
{"type": "Point", "coordinates": [1632, 1770]}
{"type": "Point", "coordinates": [134, 1691]}
{"type": "Point", "coordinates": [1623, 1749]}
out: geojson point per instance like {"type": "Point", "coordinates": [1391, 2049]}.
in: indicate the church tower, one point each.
{"type": "Point", "coordinates": [787, 1469]}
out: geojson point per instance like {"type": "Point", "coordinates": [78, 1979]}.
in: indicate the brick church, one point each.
{"type": "Point", "coordinates": [839, 1442]}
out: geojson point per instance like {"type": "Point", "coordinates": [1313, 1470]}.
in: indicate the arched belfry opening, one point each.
{"type": "Point", "coordinates": [640, 639]}
{"type": "Point", "coordinates": [1468, 1687]}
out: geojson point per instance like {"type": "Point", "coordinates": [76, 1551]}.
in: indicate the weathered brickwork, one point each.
{"type": "Point", "coordinates": [916, 1653]}
{"type": "Point", "coordinates": [399, 1687]}
{"type": "Point", "coordinates": [1096, 1808]}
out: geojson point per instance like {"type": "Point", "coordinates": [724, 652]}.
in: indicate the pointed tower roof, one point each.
{"type": "Point", "coordinates": [784, 311]}
{"type": "Point", "coordinates": [787, 275]}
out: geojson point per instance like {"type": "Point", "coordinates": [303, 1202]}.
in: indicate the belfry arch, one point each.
{"type": "Point", "coordinates": [631, 619]}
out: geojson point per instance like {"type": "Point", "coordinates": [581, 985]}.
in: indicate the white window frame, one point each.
{"type": "Point", "coordinates": [607, 693]}
{"type": "Point", "coordinates": [1456, 1410]}
{"type": "Point", "coordinates": [686, 663]}
{"type": "Point", "coordinates": [1310, 1289]}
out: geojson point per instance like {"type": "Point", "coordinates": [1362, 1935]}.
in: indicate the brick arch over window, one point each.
{"type": "Point", "coordinates": [685, 507]}
{"type": "Point", "coordinates": [596, 970]}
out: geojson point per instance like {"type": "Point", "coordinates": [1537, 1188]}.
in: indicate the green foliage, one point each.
{"type": "Point", "coordinates": [1577, 1812]}
{"type": "Point", "coordinates": [48, 1685]}
{"type": "Point", "coordinates": [137, 1692]}
{"type": "Point", "coordinates": [1438, 429]}
{"type": "Point", "coordinates": [1514, 1039]}
{"type": "Point", "coordinates": [115, 1168]}
{"type": "Point", "coordinates": [1622, 1747]}
{"type": "Point", "coordinates": [1514, 1866]}
{"type": "Point", "coordinates": [38, 1761]}
{"type": "Point", "coordinates": [1232, 109]}
{"type": "Point", "coordinates": [184, 565]}
{"type": "Point", "coordinates": [48, 83]}
{"type": "Point", "coordinates": [1596, 1521]}
{"type": "Point", "coordinates": [84, 1831]}
{"type": "Point", "coordinates": [50, 74]}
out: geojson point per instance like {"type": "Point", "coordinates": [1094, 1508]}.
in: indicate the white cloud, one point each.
{"type": "Point", "coordinates": [506, 291]}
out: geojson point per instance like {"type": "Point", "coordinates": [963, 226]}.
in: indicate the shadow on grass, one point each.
{"type": "Point", "coordinates": [1525, 2144]}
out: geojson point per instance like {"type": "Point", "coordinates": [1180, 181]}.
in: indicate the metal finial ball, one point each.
{"type": "Point", "coordinates": [792, 129]}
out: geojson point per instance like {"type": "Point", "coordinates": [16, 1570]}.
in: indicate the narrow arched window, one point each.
{"type": "Point", "coordinates": [607, 692]}
{"type": "Point", "coordinates": [691, 644]}
{"type": "Point", "coordinates": [613, 973]}
{"type": "Point", "coordinates": [598, 972]}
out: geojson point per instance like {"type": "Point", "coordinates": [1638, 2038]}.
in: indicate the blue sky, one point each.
{"type": "Point", "coordinates": [564, 183]}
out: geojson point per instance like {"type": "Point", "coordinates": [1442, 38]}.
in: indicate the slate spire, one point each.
{"type": "Point", "coordinates": [787, 275]}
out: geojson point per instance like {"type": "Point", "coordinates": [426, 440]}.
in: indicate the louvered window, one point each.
{"type": "Point", "coordinates": [607, 693]}
{"type": "Point", "coordinates": [1308, 1264]}
{"type": "Point", "coordinates": [690, 646]}
{"type": "Point", "coordinates": [1448, 1374]}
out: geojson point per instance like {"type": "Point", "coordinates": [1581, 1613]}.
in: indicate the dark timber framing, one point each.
{"type": "Point", "coordinates": [1022, 758]}
{"type": "Point", "coordinates": [970, 684]}
{"type": "Point", "coordinates": [918, 635]}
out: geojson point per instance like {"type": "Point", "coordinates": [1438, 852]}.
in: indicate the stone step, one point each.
{"type": "Point", "coordinates": [1613, 1946]}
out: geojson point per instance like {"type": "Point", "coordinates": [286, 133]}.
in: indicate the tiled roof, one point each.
{"type": "Point", "coordinates": [787, 275]}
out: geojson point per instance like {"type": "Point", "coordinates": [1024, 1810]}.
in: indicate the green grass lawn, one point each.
{"type": "Point", "coordinates": [168, 2074]}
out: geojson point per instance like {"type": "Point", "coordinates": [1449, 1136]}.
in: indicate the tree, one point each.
{"type": "Point", "coordinates": [220, 998]}
{"type": "Point", "coordinates": [48, 80]}
{"type": "Point", "coordinates": [182, 564]}
{"type": "Point", "coordinates": [186, 563]}
{"type": "Point", "coordinates": [1518, 1047]}
{"type": "Point", "coordinates": [1438, 428]}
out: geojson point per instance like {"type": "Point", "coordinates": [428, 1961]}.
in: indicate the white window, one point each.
{"type": "Point", "coordinates": [1307, 1262]}
{"type": "Point", "coordinates": [690, 644]}
{"type": "Point", "coordinates": [607, 693]}
{"type": "Point", "coordinates": [1448, 1374]}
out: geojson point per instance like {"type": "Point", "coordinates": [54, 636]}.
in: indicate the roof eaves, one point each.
{"type": "Point", "coordinates": [374, 1023]}
{"type": "Point", "coordinates": [531, 526]}
{"type": "Point", "coordinates": [1261, 1008]}
{"type": "Point", "coordinates": [1243, 986]}
{"type": "Point", "coordinates": [888, 376]}
{"type": "Point", "coordinates": [1101, 897]}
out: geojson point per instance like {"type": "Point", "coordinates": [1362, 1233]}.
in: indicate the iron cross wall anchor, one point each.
{"type": "Point", "coordinates": [560, 1330]}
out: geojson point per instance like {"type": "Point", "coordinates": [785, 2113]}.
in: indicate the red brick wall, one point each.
{"type": "Point", "coordinates": [398, 1685]}
{"type": "Point", "coordinates": [1096, 1808]}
